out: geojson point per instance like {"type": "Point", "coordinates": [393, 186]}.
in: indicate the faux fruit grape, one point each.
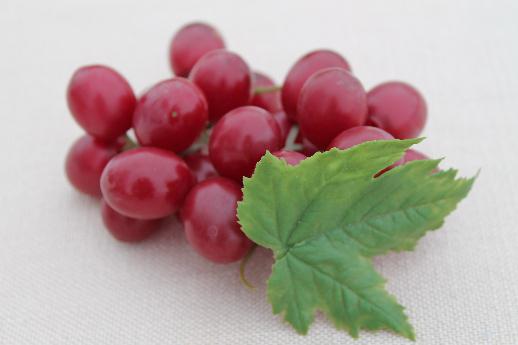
{"type": "Point", "coordinates": [284, 125]}
{"type": "Point", "coordinates": [170, 115]}
{"type": "Point", "coordinates": [240, 139]}
{"type": "Point", "coordinates": [357, 135]}
{"type": "Point", "coordinates": [146, 183]}
{"type": "Point", "coordinates": [190, 43]}
{"type": "Point", "coordinates": [300, 72]}
{"type": "Point", "coordinates": [414, 155]}
{"type": "Point", "coordinates": [308, 148]}
{"type": "Point", "coordinates": [270, 101]}
{"type": "Point", "coordinates": [330, 102]}
{"type": "Point", "coordinates": [209, 216]}
{"type": "Point", "coordinates": [200, 165]}
{"type": "Point", "coordinates": [86, 160]}
{"type": "Point", "coordinates": [126, 229]}
{"type": "Point", "coordinates": [225, 79]}
{"type": "Point", "coordinates": [398, 108]}
{"type": "Point", "coordinates": [290, 157]}
{"type": "Point", "coordinates": [101, 101]}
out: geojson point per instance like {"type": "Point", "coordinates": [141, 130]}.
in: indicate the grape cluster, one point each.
{"type": "Point", "coordinates": [173, 168]}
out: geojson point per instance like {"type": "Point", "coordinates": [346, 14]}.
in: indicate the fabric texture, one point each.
{"type": "Point", "coordinates": [64, 280]}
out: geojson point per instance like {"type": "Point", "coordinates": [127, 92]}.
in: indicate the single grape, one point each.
{"type": "Point", "coordinates": [240, 139]}
{"type": "Point", "coordinates": [190, 43]}
{"type": "Point", "coordinates": [300, 72]}
{"type": "Point", "coordinates": [290, 157]}
{"type": "Point", "coordinates": [209, 216]}
{"type": "Point", "coordinates": [225, 79]}
{"type": "Point", "coordinates": [200, 165]}
{"type": "Point", "coordinates": [414, 155]}
{"type": "Point", "coordinates": [146, 183]}
{"type": "Point", "coordinates": [101, 101]}
{"type": "Point", "coordinates": [170, 115]}
{"type": "Point", "coordinates": [86, 160]}
{"type": "Point", "coordinates": [330, 102]}
{"type": "Point", "coordinates": [357, 135]}
{"type": "Point", "coordinates": [397, 108]}
{"type": "Point", "coordinates": [270, 101]}
{"type": "Point", "coordinates": [284, 125]}
{"type": "Point", "coordinates": [126, 229]}
{"type": "Point", "coordinates": [308, 148]}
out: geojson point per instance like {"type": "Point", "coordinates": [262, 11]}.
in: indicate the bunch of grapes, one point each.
{"type": "Point", "coordinates": [173, 168]}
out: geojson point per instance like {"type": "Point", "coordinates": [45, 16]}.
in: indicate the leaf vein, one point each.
{"type": "Point", "coordinates": [346, 286]}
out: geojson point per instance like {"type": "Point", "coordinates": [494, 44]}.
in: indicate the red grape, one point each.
{"type": "Point", "coordinates": [240, 139]}
{"type": "Point", "coordinates": [200, 165]}
{"type": "Point", "coordinates": [126, 229]}
{"type": "Point", "coordinates": [414, 155]}
{"type": "Point", "coordinates": [225, 80]}
{"type": "Point", "coordinates": [209, 216]}
{"type": "Point", "coordinates": [270, 101]}
{"type": "Point", "coordinates": [146, 183]}
{"type": "Point", "coordinates": [330, 102]}
{"type": "Point", "coordinates": [357, 135]}
{"type": "Point", "coordinates": [398, 108]}
{"type": "Point", "coordinates": [304, 68]}
{"type": "Point", "coordinates": [291, 157]}
{"type": "Point", "coordinates": [190, 43]}
{"type": "Point", "coordinates": [284, 125]}
{"type": "Point", "coordinates": [101, 101]}
{"type": "Point", "coordinates": [86, 160]}
{"type": "Point", "coordinates": [170, 115]}
{"type": "Point", "coordinates": [308, 148]}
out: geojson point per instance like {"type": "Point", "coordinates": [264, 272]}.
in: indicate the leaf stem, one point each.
{"type": "Point", "coordinates": [242, 267]}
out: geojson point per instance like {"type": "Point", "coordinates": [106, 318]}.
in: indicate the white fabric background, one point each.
{"type": "Point", "coordinates": [63, 280]}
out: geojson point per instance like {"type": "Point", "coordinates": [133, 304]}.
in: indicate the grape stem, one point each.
{"type": "Point", "coordinates": [266, 89]}
{"type": "Point", "coordinates": [128, 143]}
{"type": "Point", "coordinates": [242, 267]}
{"type": "Point", "coordinates": [200, 143]}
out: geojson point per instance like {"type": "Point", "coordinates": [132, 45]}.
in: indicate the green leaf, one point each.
{"type": "Point", "coordinates": [326, 217]}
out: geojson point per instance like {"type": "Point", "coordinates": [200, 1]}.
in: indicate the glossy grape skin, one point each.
{"type": "Point", "coordinates": [414, 155]}
{"type": "Point", "coordinates": [200, 165]}
{"type": "Point", "coordinates": [398, 108]}
{"type": "Point", "coordinates": [357, 135]}
{"type": "Point", "coordinates": [308, 149]}
{"type": "Point", "coordinates": [225, 80]}
{"type": "Point", "coordinates": [146, 183]}
{"type": "Point", "coordinates": [209, 216]}
{"type": "Point", "coordinates": [290, 157]}
{"type": "Point", "coordinates": [300, 72]}
{"type": "Point", "coordinates": [284, 125]}
{"type": "Point", "coordinates": [270, 101]}
{"type": "Point", "coordinates": [101, 101]}
{"type": "Point", "coordinates": [330, 102]}
{"type": "Point", "coordinates": [171, 115]}
{"type": "Point", "coordinates": [86, 160]}
{"type": "Point", "coordinates": [240, 139]}
{"type": "Point", "coordinates": [126, 229]}
{"type": "Point", "coordinates": [190, 43]}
